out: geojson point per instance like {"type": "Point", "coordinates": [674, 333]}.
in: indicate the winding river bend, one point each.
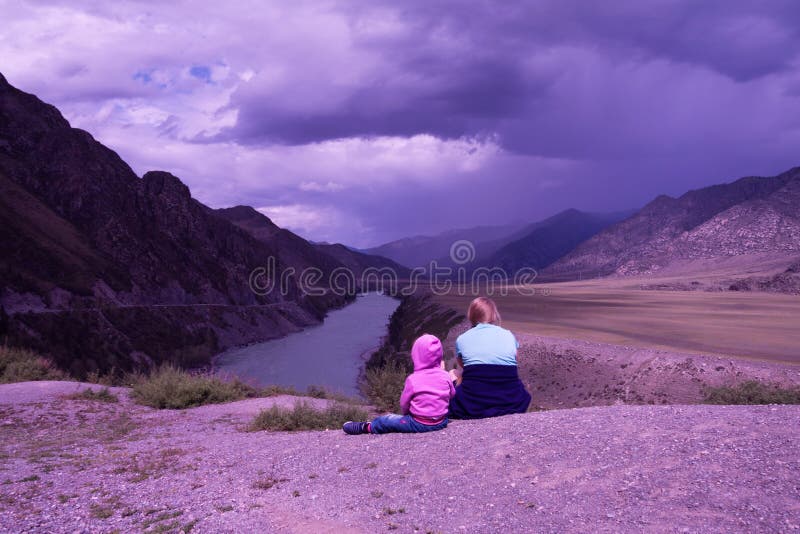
{"type": "Point", "coordinates": [327, 355]}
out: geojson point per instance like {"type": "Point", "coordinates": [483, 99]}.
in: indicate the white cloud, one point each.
{"type": "Point", "coordinates": [320, 223]}
{"type": "Point", "coordinates": [329, 187]}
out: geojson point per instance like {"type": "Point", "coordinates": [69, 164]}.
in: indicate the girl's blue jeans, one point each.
{"type": "Point", "coordinates": [402, 423]}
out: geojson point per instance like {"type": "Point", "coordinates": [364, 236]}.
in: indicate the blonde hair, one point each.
{"type": "Point", "coordinates": [483, 310]}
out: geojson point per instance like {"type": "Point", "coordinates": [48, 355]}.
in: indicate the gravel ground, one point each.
{"type": "Point", "coordinates": [86, 466]}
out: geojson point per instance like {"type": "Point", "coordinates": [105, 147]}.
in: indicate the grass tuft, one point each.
{"type": "Point", "coordinates": [100, 511]}
{"type": "Point", "coordinates": [752, 392]}
{"type": "Point", "coordinates": [100, 395]}
{"type": "Point", "coordinates": [275, 390]}
{"type": "Point", "coordinates": [303, 416]}
{"type": "Point", "coordinates": [268, 483]}
{"type": "Point", "coordinates": [19, 365]}
{"type": "Point", "coordinates": [172, 388]}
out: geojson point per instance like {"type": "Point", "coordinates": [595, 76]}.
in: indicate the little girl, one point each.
{"type": "Point", "coordinates": [425, 397]}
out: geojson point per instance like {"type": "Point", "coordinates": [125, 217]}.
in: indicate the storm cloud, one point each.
{"type": "Point", "coordinates": [366, 121]}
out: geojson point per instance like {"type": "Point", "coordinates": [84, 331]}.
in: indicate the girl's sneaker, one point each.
{"type": "Point", "coordinates": [355, 427]}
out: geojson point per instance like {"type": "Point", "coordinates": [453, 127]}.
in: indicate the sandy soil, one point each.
{"type": "Point", "coordinates": [84, 466]}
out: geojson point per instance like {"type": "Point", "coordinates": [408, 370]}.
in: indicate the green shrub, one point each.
{"type": "Point", "coordinates": [112, 378]}
{"type": "Point", "coordinates": [317, 392]}
{"type": "Point", "coordinates": [100, 395]}
{"type": "Point", "coordinates": [19, 365]}
{"type": "Point", "coordinates": [275, 390]}
{"type": "Point", "coordinates": [169, 387]}
{"type": "Point", "coordinates": [383, 386]}
{"type": "Point", "coordinates": [303, 416]}
{"type": "Point", "coordinates": [752, 392]}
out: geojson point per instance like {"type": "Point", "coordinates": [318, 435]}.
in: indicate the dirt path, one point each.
{"type": "Point", "coordinates": [84, 466]}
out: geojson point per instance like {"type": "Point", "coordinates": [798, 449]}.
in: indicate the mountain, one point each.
{"type": "Point", "coordinates": [749, 216]}
{"type": "Point", "coordinates": [294, 251]}
{"type": "Point", "coordinates": [358, 261]}
{"type": "Point", "coordinates": [419, 251]}
{"type": "Point", "coordinates": [548, 240]}
{"type": "Point", "coordinates": [101, 269]}
{"type": "Point", "coordinates": [511, 247]}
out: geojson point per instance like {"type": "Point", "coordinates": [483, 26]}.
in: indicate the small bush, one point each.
{"type": "Point", "coordinates": [383, 386]}
{"type": "Point", "coordinates": [317, 392]}
{"type": "Point", "coordinates": [100, 395]}
{"type": "Point", "coordinates": [303, 416]}
{"type": "Point", "coordinates": [19, 365]}
{"type": "Point", "coordinates": [752, 392]}
{"type": "Point", "coordinates": [112, 378]}
{"type": "Point", "coordinates": [172, 388]}
{"type": "Point", "coordinates": [275, 390]}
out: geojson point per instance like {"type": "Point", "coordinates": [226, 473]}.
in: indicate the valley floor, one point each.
{"type": "Point", "coordinates": [750, 325]}
{"type": "Point", "coordinates": [77, 465]}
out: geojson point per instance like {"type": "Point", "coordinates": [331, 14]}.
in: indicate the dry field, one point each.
{"type": "Point", "coordinates": [761, 326]}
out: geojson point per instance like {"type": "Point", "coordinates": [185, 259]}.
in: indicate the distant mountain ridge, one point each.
{"type": "Point", "coordinates": [749, 216]}
{"type": "Point", "coordinates": [510, 247]}
{"type": "Point", "coordinates": [419, 251]}
{"type": "Point", "coordinates": [550, 239]}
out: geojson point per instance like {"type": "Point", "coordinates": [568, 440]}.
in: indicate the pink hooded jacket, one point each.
{"type": "Point", "coordinates": [428, 389]}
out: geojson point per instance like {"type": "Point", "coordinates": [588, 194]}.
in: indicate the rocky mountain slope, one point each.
{"type": "Point", "coordinates": [749, 216]}
{"type": "Point", "coordinates": [101, 269]}
{"type": "Point", "coordinates": [298, 253]}
{"type": "Point", "coordinates": [358, 262]}
{"type": "Point", "coordinates": [85, 466]}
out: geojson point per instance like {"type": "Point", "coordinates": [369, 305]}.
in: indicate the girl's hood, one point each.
{"type": "Point", "coordinates": [426, 352]}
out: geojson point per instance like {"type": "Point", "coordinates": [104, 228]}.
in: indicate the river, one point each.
{"type": "Point", "coordinates": [327, 355]}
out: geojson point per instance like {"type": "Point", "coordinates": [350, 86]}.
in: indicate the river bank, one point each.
{"type": "Point", "coordinates": [113, 340]}
{"type": "Point", "coordinates": [328, 355]}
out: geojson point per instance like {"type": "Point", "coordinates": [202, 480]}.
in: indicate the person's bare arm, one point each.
{"type": "Point", "coordinates": [455, 374]}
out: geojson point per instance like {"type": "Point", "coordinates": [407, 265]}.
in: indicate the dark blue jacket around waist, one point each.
{"type": "Point", "coordinates": [489, 390]}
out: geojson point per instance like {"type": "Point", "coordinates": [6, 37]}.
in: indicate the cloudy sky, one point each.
{"type": "Point", "coordinates": [367, 121]}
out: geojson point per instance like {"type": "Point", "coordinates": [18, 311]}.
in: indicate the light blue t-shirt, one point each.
{"type": "Point", "coordinates": [487, 343]}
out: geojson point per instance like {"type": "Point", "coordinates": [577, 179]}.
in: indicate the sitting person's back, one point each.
{"type": "Point", "coordinates": [490, 385]}
{"type": "Point", "coordinates": [487, 343]}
